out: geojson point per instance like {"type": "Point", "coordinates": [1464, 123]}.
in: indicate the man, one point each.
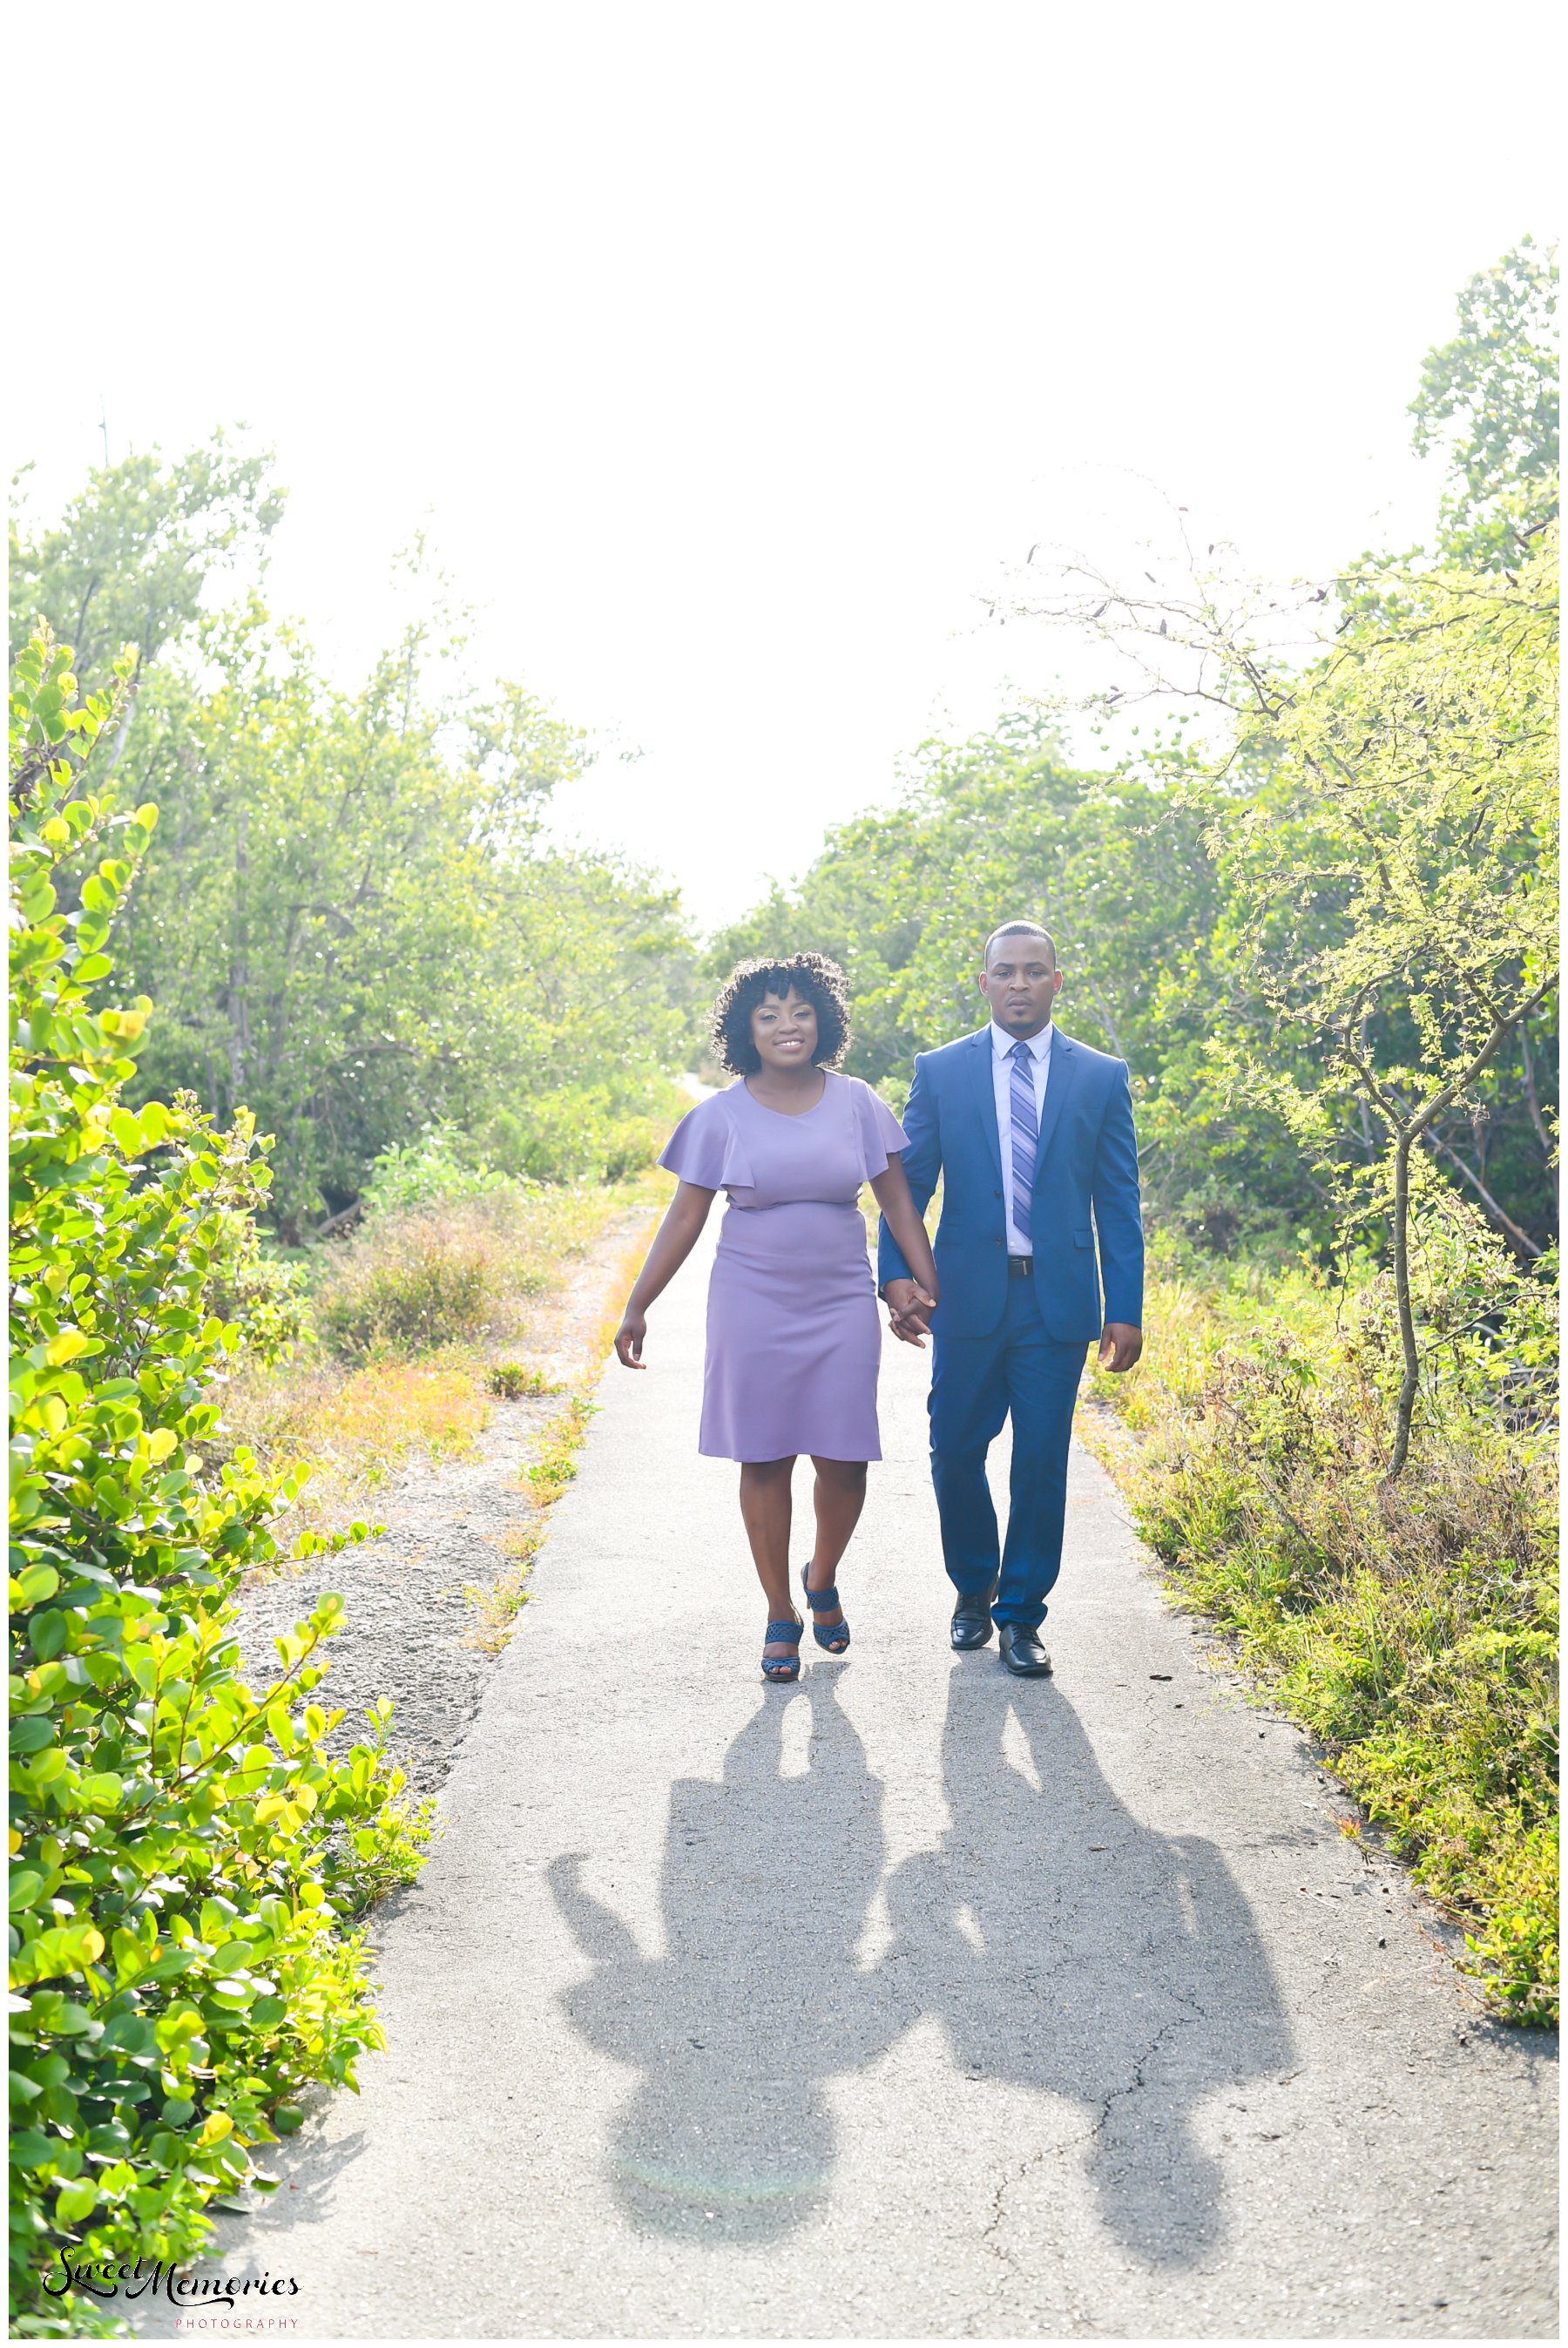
{"type": "Point", "coordinates": [1032, 1136]}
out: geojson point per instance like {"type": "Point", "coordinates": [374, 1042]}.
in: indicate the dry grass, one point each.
{"type": "Point", "coordinates": [462, 1274]}
{"type": "Point", "coordinates": [419, 1304]}
{"type": "Point", "coordinates": [356, 1428]}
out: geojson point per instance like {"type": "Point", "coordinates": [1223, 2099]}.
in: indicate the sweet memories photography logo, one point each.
{"type": "Point", "coordinates": [209, 2303]}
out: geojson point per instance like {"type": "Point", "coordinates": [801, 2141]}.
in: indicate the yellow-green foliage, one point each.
{"type": "Point", "coordinates": [1411, 1627]}
{"type": "Point", "coordinates": [186, 1854]}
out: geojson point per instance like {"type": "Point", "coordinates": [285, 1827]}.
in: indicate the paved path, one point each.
{"type": "Point", "coordinates": [914, 2002]}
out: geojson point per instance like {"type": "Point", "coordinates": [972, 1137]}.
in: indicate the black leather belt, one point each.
{"type": "Point", "coordinates": [1020, 1267]}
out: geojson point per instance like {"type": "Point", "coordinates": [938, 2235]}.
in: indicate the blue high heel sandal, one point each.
{"type": "Point", "coordinates": [781, 1669]}
{"type": "Point", "coordinates": [822, 1602]}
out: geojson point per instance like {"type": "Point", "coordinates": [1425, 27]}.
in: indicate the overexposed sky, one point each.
{"type": "Point", "coordinates": [727, 350]}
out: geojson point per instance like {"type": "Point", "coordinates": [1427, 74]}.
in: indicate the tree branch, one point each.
{"type": "Point", "coordinates": [1499, 1215]}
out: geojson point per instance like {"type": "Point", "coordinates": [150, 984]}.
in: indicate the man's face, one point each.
{"type": "Point", "coordinates": [1021, 983]}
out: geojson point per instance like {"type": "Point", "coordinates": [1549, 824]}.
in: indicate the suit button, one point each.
{"type": "Point", "coordinates": [996, 1194]}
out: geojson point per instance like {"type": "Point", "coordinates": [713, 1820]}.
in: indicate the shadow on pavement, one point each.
{"type": "Point", "coordinates": [1062, 1946]}
{"type": "Point", "coordinates": [1066, 1948]}
{"type": "Point", "coordinates": [764, 1887]}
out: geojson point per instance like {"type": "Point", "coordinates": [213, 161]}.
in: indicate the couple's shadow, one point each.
{"type": "Point", "coordinates": [1062, 1945]}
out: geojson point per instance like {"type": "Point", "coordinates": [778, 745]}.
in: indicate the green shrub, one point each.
{"type": "Point", "coordinates": [582, 1135]}
{"type": "Point", "coordinates": [185, 1855]}
{"type": "Point", "coordinates": [429, 1172]}
{"type": "Point", "coordinates": [260, 1294]}
{"type": "Point", "coordinates": [1411, 1627]}
{"type": "Point", "coordinates": [411, 1284]}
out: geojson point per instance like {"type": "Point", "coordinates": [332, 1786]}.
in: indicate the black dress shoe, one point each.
{"type": "Point", "coordinates": [972, 1624]}
{"type": "Point", "coordinates": [1022, 1652]}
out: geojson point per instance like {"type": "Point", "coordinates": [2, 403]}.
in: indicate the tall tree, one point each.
{"type": "Point", "coordinates": [350, 925]}
{"type": "Point", "coordinates": [1488, 398]}
{"type": "Point", "coordinates": [130, 558]}
{"type": "Point", "coordinates": [350, 922]}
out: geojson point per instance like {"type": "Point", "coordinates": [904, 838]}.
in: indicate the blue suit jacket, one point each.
{"type": "Point", "coordinates": [1085, 1183]}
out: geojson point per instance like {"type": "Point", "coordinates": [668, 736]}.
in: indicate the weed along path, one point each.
{"type": "Point", "coordinates": [914, 2001]}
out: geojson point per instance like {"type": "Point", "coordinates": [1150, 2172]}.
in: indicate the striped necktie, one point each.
{"type": "Point", "coordinates": [1025, 1135]}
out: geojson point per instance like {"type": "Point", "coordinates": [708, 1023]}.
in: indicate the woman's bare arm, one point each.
{"type": "Point", "coordinates": [672, 1243]}
{"type": "Point", "coordinates": [894, 1196]}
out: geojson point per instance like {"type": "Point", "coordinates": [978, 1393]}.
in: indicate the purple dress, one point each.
{"type": "Point", "coordinates": [794, 1338]}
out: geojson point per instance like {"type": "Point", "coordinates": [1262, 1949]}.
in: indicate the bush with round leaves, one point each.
{"type": "Point", "coordinates": [187, 1855]}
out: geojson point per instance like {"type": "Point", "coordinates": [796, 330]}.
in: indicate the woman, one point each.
{"type": "Point", "coordinates": [794, 1338]}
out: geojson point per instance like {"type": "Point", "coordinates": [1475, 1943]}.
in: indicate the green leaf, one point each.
{"type": "Point", "coordinates": [74, 2201]}
{"type": "Point", "coordinates": [127, 1131]}
{"type": "Point", "coordinates": [46, 1636]}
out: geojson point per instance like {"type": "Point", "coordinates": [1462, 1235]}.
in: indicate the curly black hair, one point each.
{"type": "Point", "coordinates": [821, 982]}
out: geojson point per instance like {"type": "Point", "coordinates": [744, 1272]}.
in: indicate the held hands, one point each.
{"type": "Point", "coordinates": [629, 1340]}
{"type": "Point", "coordinates": [909, 1310]}
{"type": "Point", "coordinates": [1120, 1346]}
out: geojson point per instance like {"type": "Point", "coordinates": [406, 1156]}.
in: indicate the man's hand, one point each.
{"type": "Point", "coordinates": [1120, 1346]}
{"type": "Point", "coordinates": [909, 1310]}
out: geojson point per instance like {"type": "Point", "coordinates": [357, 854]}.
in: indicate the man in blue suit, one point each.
{"type": "Point", "coordinates": [1031, 1133]}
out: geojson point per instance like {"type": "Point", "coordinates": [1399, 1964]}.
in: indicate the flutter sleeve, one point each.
{"type": "Point", "coordinates": [881, 1135]}
{"type": "Point", "coordinates": [704, 1149]}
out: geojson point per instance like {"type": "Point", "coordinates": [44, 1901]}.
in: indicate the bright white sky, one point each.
{"type": "Point", "coordinates": [727, 349]}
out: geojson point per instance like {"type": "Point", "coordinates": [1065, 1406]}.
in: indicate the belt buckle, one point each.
{"type": "Point", "coordinates": [1020, 1267]}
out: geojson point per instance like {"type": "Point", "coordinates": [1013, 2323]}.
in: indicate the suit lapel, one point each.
{"type": "Point", "coordinates": [1059, 1084]}
{"type": "Point", "coordinates": [985, 1098]}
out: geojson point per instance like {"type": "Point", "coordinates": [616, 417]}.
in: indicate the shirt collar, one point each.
{"type": "Point", "coordinates": [1040, 1045]}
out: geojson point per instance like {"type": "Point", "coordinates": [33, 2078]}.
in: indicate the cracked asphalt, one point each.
{"type": "Point", "coordinates": [914, 2002]}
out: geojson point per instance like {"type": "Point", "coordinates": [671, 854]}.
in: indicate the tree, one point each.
{"type": "Point", "coordinates": [131, 557]}
{"type": "Point", "coordinates": [1415, 789]}
{"type": "Point", "coordinates": [1495, 384]}
{"type": "Point", "coordinates": [1117, 869]}
{"type": "Point", "coordinates": [1384, 817]}
{"type": "Point", "coordinates": [350, 918]}
{"type": "Point", "coordinates": [352, 926]}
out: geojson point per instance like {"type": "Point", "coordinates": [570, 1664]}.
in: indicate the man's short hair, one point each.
{"type": "Point", "coordinates": [1018, 930]}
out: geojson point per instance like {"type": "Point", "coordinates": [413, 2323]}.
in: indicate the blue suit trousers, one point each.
{"type": "Point", "coordinates": [975, 1382]}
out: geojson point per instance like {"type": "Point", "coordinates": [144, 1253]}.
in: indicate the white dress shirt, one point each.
{"type": "Point", "coordinates": [1019, 1242]}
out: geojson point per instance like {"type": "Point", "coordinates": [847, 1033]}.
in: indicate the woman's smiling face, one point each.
{"type": "Point", "coordinates": [784, 1029]}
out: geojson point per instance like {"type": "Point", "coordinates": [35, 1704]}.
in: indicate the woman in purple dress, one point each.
{"type": "Point", "coordinates": [793, 1336]}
